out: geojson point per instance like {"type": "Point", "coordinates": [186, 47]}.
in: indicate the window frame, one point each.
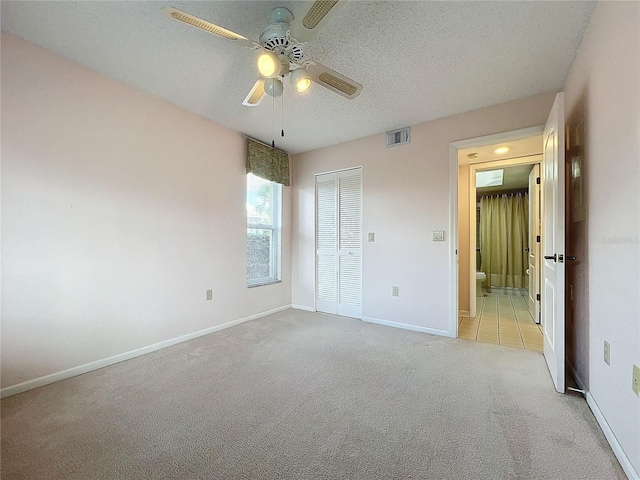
{"type": "Point", "coordinates": [275, 227]}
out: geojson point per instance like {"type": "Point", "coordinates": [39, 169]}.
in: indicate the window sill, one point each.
{"type": "Point", "coordinates": [253, 285]}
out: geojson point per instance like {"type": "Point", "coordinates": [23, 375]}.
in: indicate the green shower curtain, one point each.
{"type": "Point", "coordinates": [504, 225]}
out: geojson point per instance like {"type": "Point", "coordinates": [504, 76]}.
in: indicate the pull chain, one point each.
{"type": "Point", "coordinates": [282, 110]}
{"type": "Point", "coordinates": [273, 122]}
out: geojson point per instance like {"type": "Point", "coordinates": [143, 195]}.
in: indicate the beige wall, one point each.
{"type": "Point", "coordinates": [603, 89]}
{"type": "Point", "coordinates": [119, 211]}
{"type": "Point", "coordinates": [406, 195]}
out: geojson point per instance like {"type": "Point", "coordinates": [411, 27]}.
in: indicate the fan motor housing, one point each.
{"type": "Point", "coordinates": [276, 39]}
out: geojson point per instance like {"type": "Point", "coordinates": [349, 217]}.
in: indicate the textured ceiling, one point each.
{"type": "Point", "coordinates": [417, 60]}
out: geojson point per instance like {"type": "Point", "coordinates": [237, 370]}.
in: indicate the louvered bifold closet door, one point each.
{"type": "Point", "coordinates": [338, 243]}
{"type": "Point", "coordinates": [326, 243]}
{"type": "Point", "coordinates": [349, 243]}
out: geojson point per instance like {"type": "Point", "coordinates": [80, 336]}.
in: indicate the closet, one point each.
{"type": "Point", "coordinates": [339, 243]}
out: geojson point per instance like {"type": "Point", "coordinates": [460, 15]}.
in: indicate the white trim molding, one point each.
{"type": "Point", "coordinates": [625, 463]}
{"type": "Point", "coordinates": [497, 138]}
{"type": "Point", "coordinates": [453, 240]}
{"type": "Point", "coordinates": [303, 307]}
{"type": "Point", "coordinates": [453, 207]}
{"type": "Point", "coordinates": [611, 438]}
{"type": "Point", "coordinates": [407, 326]}
{"type": "Point", "coordinates": [105, 362]}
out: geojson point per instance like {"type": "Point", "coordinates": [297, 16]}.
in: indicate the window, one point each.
{"type": "Point", "coordinates": [264, 200]}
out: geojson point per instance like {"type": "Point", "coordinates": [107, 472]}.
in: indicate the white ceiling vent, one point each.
{"type": "Point", "coordinates": [398, 137]}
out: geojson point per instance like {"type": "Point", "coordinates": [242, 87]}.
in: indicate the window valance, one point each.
{"type": "Point", "coordinates": [268, 163]}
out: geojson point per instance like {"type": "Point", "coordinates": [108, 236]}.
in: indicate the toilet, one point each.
{"type": "Point", "coordinates": [480, 278]}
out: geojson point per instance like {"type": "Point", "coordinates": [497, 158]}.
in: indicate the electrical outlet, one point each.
{"type": "Point", "coordinates": [395, 291]}
{"type": "Point", "coordinates": [607, 353]}
{"type": "Point", "coordinates": [209, 294]}
{"type": "Point", "coordinates": [371, 237]}
{"type": "Point", "coordinates": [636, 380]}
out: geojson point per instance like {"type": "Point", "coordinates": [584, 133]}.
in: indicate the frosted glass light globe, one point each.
{"type": "Point", "coordinates": [273, 87]}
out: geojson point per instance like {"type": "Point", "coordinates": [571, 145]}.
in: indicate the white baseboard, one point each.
{"type": "Point", "coordinates": [407, 326]}
{"type": "Point", "coordinates": [105, 362]}
{"type": "Point", "coordinates": [611, 438]}
{"type": "Point", "coordinates": [303, 307]}
{"type": "Point", "coordinates": [606, 429]}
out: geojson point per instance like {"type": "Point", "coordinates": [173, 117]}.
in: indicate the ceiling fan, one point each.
{"type": "Point", "coordinates": [281, 46]}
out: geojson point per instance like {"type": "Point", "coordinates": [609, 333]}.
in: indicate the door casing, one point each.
{"type": "Point", "coordinates": [453, 209]}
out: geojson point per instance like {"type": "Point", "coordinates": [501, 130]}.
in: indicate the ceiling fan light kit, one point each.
{"type": "Point", "coordinates": [300, 80]}
{"type": "Point", "coordinates": [269, 65]}
{"type": "Point", "coordinates": [281, 44]}
{"type": "Point", "coordinates": [273, 87]}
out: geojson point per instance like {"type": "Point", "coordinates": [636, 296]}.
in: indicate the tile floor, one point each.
{"type": "Point", "coordinates": [503, 319]}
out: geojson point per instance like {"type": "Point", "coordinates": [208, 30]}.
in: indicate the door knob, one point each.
{"type": "Point", "coordinates": [551, 257]}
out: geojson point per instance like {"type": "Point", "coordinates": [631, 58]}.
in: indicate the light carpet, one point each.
{"type": "Point", "coordinates": [299, 395]}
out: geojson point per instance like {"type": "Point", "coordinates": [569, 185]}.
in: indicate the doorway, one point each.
{"type": "Point", "coordinates": [552, 303]}
{"type": "Point", "coordinates": [503, 173]}
{"type": "Point", "coordinates": [503, 253]}
{"type": "Point", "coordinates": [494, 308]}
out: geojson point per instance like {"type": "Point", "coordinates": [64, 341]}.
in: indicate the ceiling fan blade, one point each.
{"type": "Point", "coordinates": [334, 81]}
{"type": "Point", "coordinates": [255, 95]}
{"type": "Point", "coordinates": [209, 27]}
{"type": "Point", "coordinates": [312, 18]}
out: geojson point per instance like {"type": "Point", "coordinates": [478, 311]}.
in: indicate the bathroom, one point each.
{"type": "Point", "coordinates": [499, 228]}
{"type": "Point", "coordinates": [504, 239]}
{"type": "Point", "coordinates": [502, 230]}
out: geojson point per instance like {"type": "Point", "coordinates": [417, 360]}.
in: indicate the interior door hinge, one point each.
{"type": "Point", "coordinates": [537, 296]}
{"type": "Point", "coordinates": [538, 180]}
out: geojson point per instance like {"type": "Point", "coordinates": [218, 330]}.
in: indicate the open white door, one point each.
{"type": "Point", "coordinates": [553, 232]}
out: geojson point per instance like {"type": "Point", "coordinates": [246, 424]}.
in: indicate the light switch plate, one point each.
{"type": "Point", "coordinates": [395, 291]}
{"type": "Point", "coordinates": [371, 237]}
{"type": "Point", "coordinates": [209, 294]}
{"type": "Point", "coordinates": [607, 353]}
{"type": "Point", "coordinates": [636, 380]}
{"type": "Point", "coordinates": [438, 236]}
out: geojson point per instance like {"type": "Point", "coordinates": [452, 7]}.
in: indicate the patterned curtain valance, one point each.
{"type": "Point", "coordinates": [268, 163]}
